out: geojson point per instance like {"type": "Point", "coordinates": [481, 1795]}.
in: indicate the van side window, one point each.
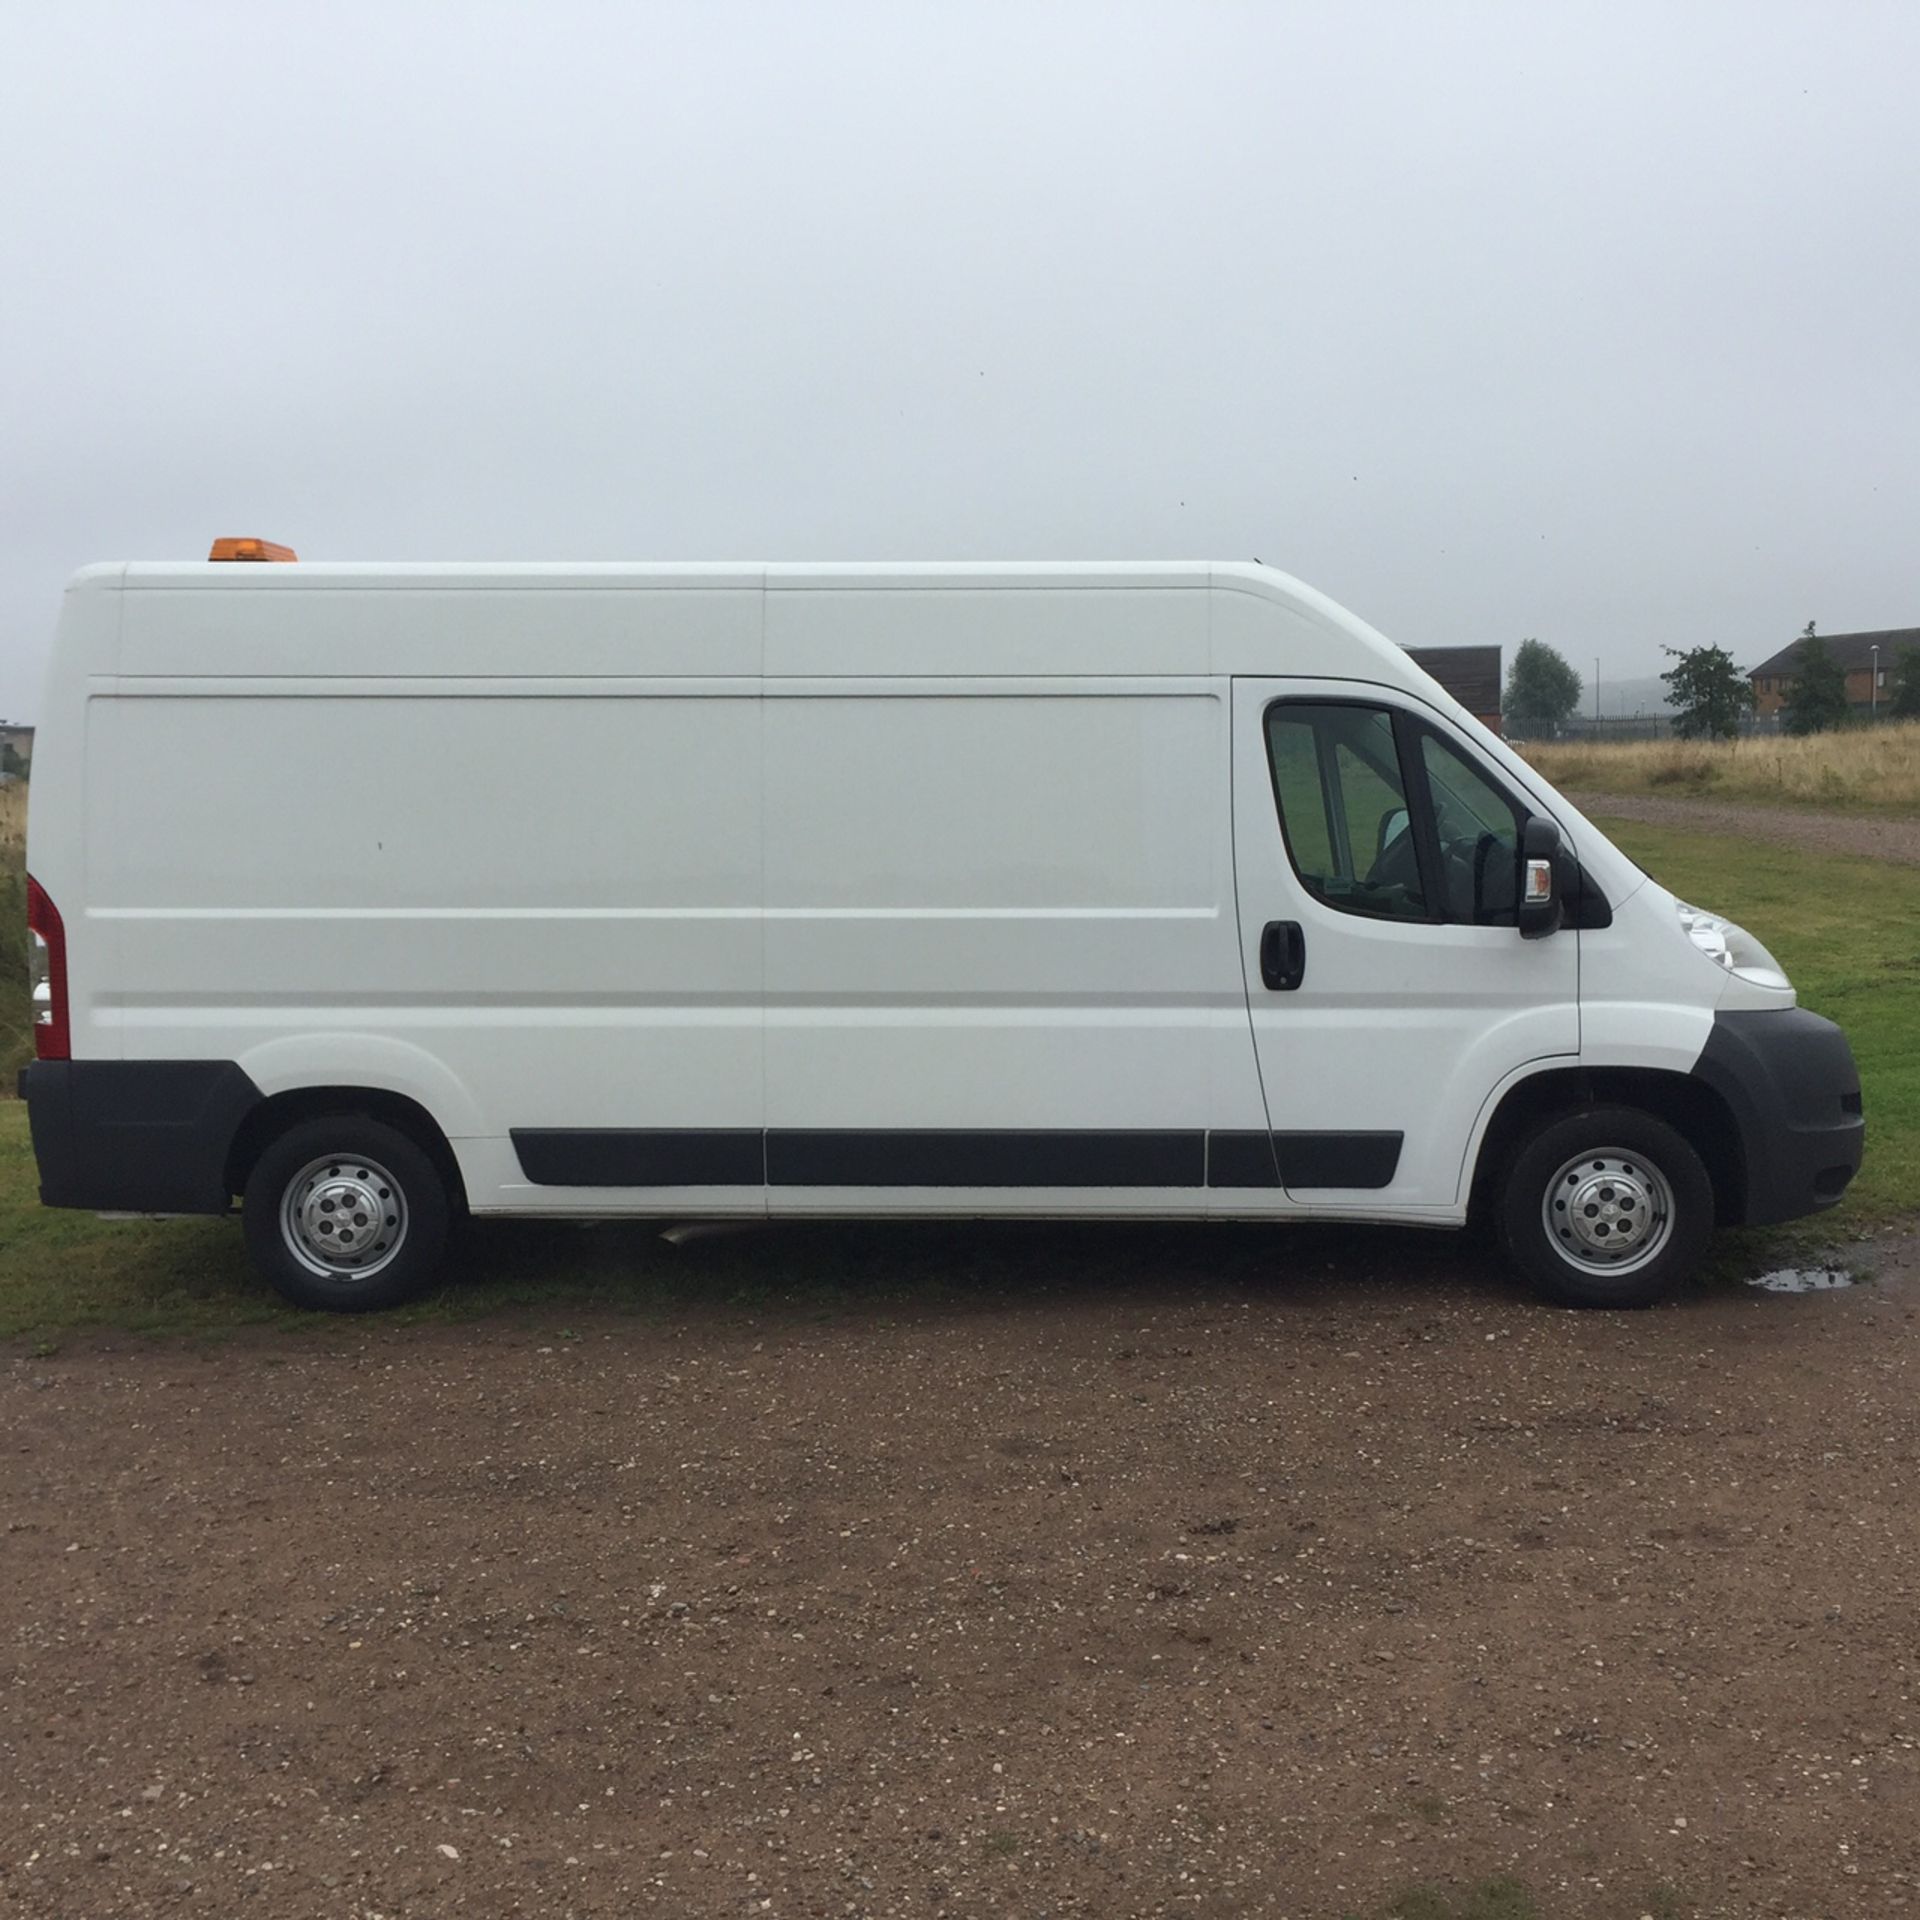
{"type": "Point", "coordinates": [1343, 808]}
{"type": "Point", "coordinates": [1479, 832]}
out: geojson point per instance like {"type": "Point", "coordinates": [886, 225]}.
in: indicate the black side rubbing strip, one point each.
{"type": "Point", "coordinates": [641, 1156]}
{"type": "Point", "coordinates": [1241, 1160]}
{"type": "Point", "coordinates": [1044, 1158]}
{"type": "Point", "coordinates": [1337, 1159]}
{"type": "Point", "coordinates": [886, 1157]}
{"type": "Point", "coordinates": [1302, 1159]}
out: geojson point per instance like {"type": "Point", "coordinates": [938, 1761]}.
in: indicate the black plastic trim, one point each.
{"type": "Point", "coordinates": [1338, 1159]}
{"type": "Point", "coordinates": [906, 1157]}
{"type": "Point", "coordinates": [1585, 907]}
{"type": "Point", "coordinates": [642, 1156]}
{"type": "Point", "coordinates": [1789, 1080]}
{"type": "Point", "coordinates": [135, 1136]}
{"type": "Point", "coordinates": [1360, 1160]}
{"type": "Point", "coordinates": [1237, 1159]}
{"type": "Point", "coordinates": [1423, 818]}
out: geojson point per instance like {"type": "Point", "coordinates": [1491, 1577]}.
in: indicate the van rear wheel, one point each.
{"type": "Point", "coordinates": [1606, 1208]}
{"type": "Point", "coordinates": [346, 1214]}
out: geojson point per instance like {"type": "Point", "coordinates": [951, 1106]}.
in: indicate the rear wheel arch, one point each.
{"type": "Point", "coordinates": [1686, 1104]}
{"type": "Point", "coordinates": [272, 1117]}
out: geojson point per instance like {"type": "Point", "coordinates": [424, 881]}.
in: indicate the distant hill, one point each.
{"type": "Point", "coordinates": [1628, 697]}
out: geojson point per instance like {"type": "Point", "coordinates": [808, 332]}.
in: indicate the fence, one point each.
{"type": "Point", "coordinates": [1586, 729]}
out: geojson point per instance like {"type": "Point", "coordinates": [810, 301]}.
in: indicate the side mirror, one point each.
{"type": "Point", "coordinates": [1392, 826]}
{"type": "Point", "coordinates": [1540, 908]}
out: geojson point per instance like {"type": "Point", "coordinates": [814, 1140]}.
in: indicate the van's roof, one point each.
{"type": "Point", "coordinates": [605, 575]}
{"type": "Point", "coordinates": [1073, 649]}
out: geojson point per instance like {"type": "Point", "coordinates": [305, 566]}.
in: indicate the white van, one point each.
{"type": "Point", "coordinates": [379, 894]}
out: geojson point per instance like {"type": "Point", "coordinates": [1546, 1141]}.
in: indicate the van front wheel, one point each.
{"type": "Point", "coordinates": [346, 1214]}
{"type": "Point", "coordinates": [1606, 1208]}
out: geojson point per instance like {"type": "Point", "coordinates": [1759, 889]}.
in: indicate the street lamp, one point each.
{"type": "Point", "coordinates": [1873, 686]}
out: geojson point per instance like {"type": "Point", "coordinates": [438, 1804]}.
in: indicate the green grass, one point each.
{"type": "Point", "coordinates": [1497, 1899]}
{"type": "Point", "coordinates": [16, 1030]}
{"type": "Point", "coordinates": [1848, 931]}
{"type": "Point", "coordinates": [1503, 1898]}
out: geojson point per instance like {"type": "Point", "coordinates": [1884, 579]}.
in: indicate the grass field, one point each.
{"type": "Point", "coordinates": [1861, 769]}
{"type": "Point", "coordinates": [1848, 933]}
{"type": "Point", "coordinates": [1847, 930]}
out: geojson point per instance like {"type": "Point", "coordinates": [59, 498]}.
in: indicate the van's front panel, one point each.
{"type": "Point", "coordinates": [1390, 991]}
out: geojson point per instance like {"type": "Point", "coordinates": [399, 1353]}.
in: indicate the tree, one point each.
{"type": "Point", "coordinates": [1709, 692]}
{"type": "Point", "coordinates": [1817, 698]}
{"type": "Point", "coordinates": [1904, 695]}
{"type": "Point", "coordinates": [1542, 690]}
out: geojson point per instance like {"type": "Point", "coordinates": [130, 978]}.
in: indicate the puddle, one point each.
{"type": "Point", "coordinates": [1803, 1280]}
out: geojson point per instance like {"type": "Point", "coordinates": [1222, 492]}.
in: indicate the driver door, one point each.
{"type": "Point", "coordinates": [1376, 860]}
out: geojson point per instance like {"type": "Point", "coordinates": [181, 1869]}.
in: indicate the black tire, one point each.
{"type": "Point", "coordinates": [356, 1177]}
{"type": "Point", "coordinates": [1628, 1227]}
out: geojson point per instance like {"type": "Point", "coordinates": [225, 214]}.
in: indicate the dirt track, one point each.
{"type": "Point", "coordinates": [1870, 836]}
{"type": "Point", "coordinates": [1262, 1596]}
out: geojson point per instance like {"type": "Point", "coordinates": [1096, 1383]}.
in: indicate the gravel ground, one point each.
{"type": "Point", "coordinates": [1041, 1597]}
{"type": "Point", "coordinates": [1873, 836]}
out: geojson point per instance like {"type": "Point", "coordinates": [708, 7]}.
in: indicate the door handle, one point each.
{"type": "Point", "coordinates": [1283, 955]}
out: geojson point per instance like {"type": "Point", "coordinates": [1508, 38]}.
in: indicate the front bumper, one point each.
{"type": "Point", "coordinates": [135, 1136]}
{"type": "Point", "coordinates": [1789, 1080]}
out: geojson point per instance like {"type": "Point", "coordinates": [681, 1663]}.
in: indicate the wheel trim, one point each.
{"type": "Point", "coordinates": [343, 1217]}
{"type": "Point", "coordinates": [1608, 1210]}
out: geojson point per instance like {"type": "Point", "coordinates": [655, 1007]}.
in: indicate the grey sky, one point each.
{"type": "Point", "coordinates": [1600, 323]}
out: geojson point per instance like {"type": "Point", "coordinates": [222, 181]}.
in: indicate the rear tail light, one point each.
{"type": "Point", "coordinates": [47, 941]}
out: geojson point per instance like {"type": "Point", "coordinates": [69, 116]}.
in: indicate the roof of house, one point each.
{"type": "Point", "coordinates": [1850, 650]}
{"type": "Point", "coordinates": [1470, 674]}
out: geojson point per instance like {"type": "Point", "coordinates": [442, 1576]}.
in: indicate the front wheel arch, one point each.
{"type": "Point", "coordinates": [1687, 1105]}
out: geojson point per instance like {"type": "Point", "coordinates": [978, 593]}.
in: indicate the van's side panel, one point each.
{"type": "Point", "coordinates": [265, 621]}
{"type": "Point", "coordinates": [531, 904]}
{"type": "Point", "coordinates": [555, 899]}
{"type": "Point", "coordinates": [1000, 942]}
{"type": "Point", "coordinates": [985, 630]}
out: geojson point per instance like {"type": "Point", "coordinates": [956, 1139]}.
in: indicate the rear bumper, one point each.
{"type": "Point", "coordinates": [1789, 1080]}
{"type": "Point", "coordinates": [135, 1136]}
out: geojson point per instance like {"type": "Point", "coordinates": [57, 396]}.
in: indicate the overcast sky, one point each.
{"type": "Point", "coordinates": [1600, 323]}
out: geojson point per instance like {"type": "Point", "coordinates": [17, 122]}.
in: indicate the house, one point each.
{"type": "Point", "coordinates": [1470, 674]}
{"type": "Point", "coordinates": [16, 746]}
{"type": "Point", "coordinates": [1860, 655]}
